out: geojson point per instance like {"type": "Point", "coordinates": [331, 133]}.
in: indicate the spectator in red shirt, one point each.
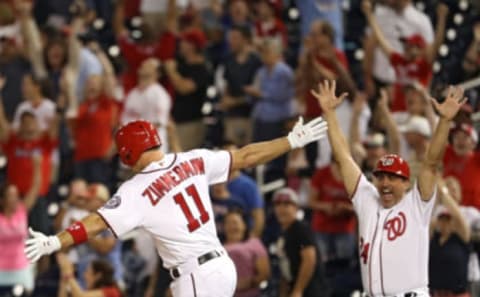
{"type": "Point", "coordinates": [415, 65]}
{"type": "Point", "coordinates": [19, 146]}
{"type": "Point", "coordinates": [98, 276]}
{"type": "Point", "coordinates": [267, 24]}
{"type": "Point", "coordinates": [459, 153]}
{"type": "Point", "coordinates": [135, 53]}
{"type": "Point", "coordinates": [92, 129]}
{"type": "Point", "coordinates": [333, 217]}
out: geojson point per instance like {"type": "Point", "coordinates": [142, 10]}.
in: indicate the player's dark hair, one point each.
{"type": "Point", "coordinates": [106, 272]}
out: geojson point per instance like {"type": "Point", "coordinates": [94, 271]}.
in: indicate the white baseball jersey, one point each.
{"type": "Point", "coordinates": [394, 242]}
{"type": "Point", "coordinates": [170, 200]}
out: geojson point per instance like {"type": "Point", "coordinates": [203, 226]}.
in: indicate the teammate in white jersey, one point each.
{"type": "Point", "coordinates": [169, 198]}
{"type": "Point", "coordinates": [393, 215]}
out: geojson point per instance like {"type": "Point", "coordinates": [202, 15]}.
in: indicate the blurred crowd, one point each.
{"type": "Point", "coordinates": [222, 74]}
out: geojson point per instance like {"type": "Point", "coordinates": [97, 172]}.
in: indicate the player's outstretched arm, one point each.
{"type": "Point", "coordinates": [447, 110]}
{"type": "Point", "coordinates": [39, 244]}
{"type": "Point", "coordinates": [262, 152]}
{"type": "Point", "coordinates": [329, 101]}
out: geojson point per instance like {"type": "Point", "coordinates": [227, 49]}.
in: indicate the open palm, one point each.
{"type": "Point", "coordinates": [452, 104]}
{"type": "Point", "coordinates": [326, 95]}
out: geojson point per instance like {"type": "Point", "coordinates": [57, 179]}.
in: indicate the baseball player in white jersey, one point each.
{"type": "Point", "coordinates": [393, 215]}
{"type": "Point", "coordinates": [169, 198]}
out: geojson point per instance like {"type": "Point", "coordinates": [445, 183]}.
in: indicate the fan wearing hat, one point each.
{"type": "Point", "coordinates": [416, 134]}
{"type": "Point", "coordinates": [298, 255]}
{"type": "Point", "coordinates": [415, 64]}
{"type": "Point", "coordinates": [190, 78]}
{"type": "Point", "coordinates": [461, 160]}
{"type": "Point", "coordinates": [393, 214]}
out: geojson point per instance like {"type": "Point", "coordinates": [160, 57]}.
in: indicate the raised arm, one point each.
{"type": "Point", "coordinates": [74, 45]}
{"type": "Point", "coordinates": [31, 35]}
{"type": "Point", "coordinates": [329, 102]}
{"type": "Point", "coordinates": [262, 152]}
{"type": "Point", "coordinates": [470, 61]}
{"type": "Point", "coordinates": [172, 16]}
{"type": "Point", "coordinates": [461, 226]}
{"type": "Point", "coordinates": [427, 178]}
{"type": "Point", "coordinates": [32, 194]}
{"type": "Point", "coordinates": [4, 124]}
{"type": "Point", "coordinates": [358, 105]}
{"type": "Point", "coordinates": [432, 50]}
{"type": "Point", "coordinates": [377, 32]}
{"type": "Point", "coordinates": [389, 123]}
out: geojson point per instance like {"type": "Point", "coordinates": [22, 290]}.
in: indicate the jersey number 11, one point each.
{"type": "Point", "coordinates": [193, 223]}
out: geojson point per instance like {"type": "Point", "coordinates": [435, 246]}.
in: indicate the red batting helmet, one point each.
{"type": "Point", "coordinates": [393, 164]}
{"type": "Point", "coordinates": [134, 138]}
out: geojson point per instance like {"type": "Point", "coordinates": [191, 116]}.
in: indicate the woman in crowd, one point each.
{"type": "Point", "coordinates": [248, 254]}
{"type": "Point", "coordinates": [98, 276]}
{"type": "Point", "coordinates": [14, 267]}
{"type": "Point", "coordinates": [449, 249]}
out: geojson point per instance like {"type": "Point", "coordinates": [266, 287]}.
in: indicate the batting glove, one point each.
{"type": "Point", "coordinates": [39, 245]}
{"type": "Point", "coordinates": [302, 135]}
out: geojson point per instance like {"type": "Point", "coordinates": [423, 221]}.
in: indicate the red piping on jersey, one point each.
{"type": "Point", "coordinates": [381, 258]}
{"type": "Point", "coordinates": [193, 283]}
{"type": "Point", "coordinates": [108, 224]}
{"type": "Point", "coordinates": [356, 186]}
{"type": "Point", "coordinates": [371, 252]}
{"type": "Point", "coordinates": [163, 168]}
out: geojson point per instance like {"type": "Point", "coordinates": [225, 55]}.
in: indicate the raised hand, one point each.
{"type": "Point", "coordinates": [367, 7]}
{"type": "Point", "coordinates": [452, 104]}
{"type": "Point", "coordinates": [302, 135]}
{"type": "Point", "coordinates": [442, 10]}
{"type": "Point", "coordinates": [326, 95]}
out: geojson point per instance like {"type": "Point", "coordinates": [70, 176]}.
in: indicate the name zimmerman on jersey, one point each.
{"type": "Point", "coordinates": [169, 180]}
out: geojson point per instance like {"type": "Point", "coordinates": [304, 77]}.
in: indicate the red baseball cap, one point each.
{"type": "Point", "coordinates": [196, 37]}
{"type": "Point", "coordinates": [393, 164]}
{"type": "Point", "coordinates": [415, 40]}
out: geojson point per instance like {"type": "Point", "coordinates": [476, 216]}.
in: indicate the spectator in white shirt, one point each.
{"type": "Point", "coordinates": [397, 19]}
{"type": "Point", "coordinates": [34, 92]}
{"type": "Point", "coordinates": [149, 100]}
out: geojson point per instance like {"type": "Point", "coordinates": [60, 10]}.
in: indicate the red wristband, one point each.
{"type": "Point", "coordinates": [78, 232]}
